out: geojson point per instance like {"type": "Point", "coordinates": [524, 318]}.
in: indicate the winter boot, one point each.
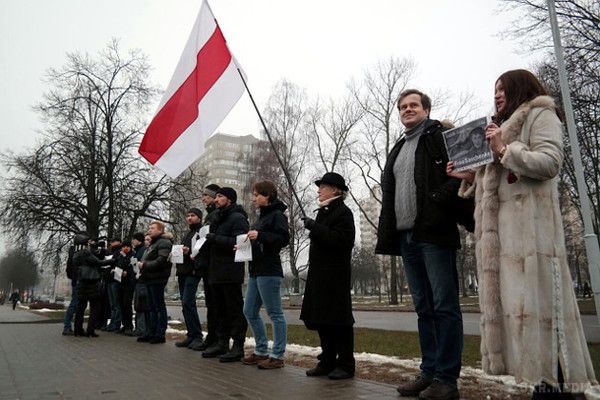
{"type": "Point", "coordinates": [235, 354]}
{"type": "Point", "coordinates": [216, 350]}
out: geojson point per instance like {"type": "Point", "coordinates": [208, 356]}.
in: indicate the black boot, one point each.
{"type": "Point", "coordinates": [235, 354]}
{"type": "Point", "coordinates": [216, 350]}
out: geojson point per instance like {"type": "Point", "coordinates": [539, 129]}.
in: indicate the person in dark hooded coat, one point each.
{"type": "Point", "coordinates": [327, 304]}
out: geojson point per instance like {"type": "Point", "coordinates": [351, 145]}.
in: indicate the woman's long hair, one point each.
{"type": "Point", "coordinates": [520, 86]}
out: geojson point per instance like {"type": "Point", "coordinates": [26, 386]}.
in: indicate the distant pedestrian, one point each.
{"type": "Point", "coordinates": [15, 297]}
{"type": "Point", "coordinates": [587, 290]}
{"type": "Point", "coordinates": [327, 304]}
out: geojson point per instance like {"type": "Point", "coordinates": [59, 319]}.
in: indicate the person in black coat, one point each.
{"type": "Point", "coordinates": [226, 276]}
{"type": "Point", "coordinates": [268, 236]}
{"type": "Point", "coordinates": [127, 287]}
{"type": "Point", "coordinates": [327, 304]}
{"type": "Point", "coordinates": [15, 297]}
{"type": "Point", "coordinates": [89, 284]}
{"type": "Point", "coordinates": [155, 269]}
{"type": "Point", "coordinates": [201, 263]}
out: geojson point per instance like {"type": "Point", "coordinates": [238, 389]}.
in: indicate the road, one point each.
{"type": "Point", "coordinates": [401, 321]}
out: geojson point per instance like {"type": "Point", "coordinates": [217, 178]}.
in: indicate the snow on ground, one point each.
{"type": "Point", "coordinates": [413, 364]}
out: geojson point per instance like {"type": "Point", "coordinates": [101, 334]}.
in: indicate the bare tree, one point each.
{"type": "Point", "coordinates": [85, 174]}
{"type": "Point", "coordinates": [333, 127]}
{"type": "Point", "coordinates": [286, 116]}
{"type": "Point", "coordinates": [579, 22]}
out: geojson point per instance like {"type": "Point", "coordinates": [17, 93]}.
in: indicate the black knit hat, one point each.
{"type": "Point", "coordinates": [333, 179]}
{"type": "Point", "coordinates": [229, 193]}
{"type": "Point", "coordinates": [211, 190]}
{"type": "Point", "coordinates": [196, 211]}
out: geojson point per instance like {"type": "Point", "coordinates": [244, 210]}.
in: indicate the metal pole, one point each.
{"type": "Point", "coordinates": [591, 240]}
{"type": "Point", "coordinates": [285, 172]}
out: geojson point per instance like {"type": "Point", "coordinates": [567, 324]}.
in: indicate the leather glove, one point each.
{"type": "Point", "coordinates": [309, 223]}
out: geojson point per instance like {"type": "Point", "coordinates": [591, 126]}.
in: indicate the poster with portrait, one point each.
{"type": "Point", "coordinates": [467, 145]}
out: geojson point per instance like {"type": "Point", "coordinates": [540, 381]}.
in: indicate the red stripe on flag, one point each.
{"type": "Point", "coordinates": [182, 108]}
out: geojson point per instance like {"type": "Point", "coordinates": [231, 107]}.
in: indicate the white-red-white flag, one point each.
{"type": "Point", "coordinates": [204, 88]}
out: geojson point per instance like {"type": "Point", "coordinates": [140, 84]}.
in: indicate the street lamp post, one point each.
{"type": "Point", "coordinates": [591, 240]}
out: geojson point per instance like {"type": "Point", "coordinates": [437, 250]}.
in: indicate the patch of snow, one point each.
{"type": "Point", "coordinates": [174, 322]}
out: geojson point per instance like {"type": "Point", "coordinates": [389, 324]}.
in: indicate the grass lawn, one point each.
{"type": "Point", "coordinates": [402, 344]}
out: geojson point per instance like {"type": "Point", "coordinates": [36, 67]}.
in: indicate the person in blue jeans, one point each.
{"type": "Point", "coordinates": [188, 278]}
{"type": "Point", "coordinates": [268, 236]}
{"type": "Point", "coordinates": [418, 221]}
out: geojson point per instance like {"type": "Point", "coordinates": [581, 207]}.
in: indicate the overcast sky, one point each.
{"type": "Point", "coordinates": [319, 45]}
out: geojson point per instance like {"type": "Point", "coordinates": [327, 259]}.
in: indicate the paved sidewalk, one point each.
{"type": "Point", "coordinates": [10, 316]}
{"type": "Point", "coordinates": [36, 362]}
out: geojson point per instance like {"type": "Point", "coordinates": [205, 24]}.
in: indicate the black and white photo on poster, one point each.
{"type": "Point", "coordinates": [467, 145]}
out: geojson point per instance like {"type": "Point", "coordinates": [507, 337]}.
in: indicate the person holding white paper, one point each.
{"type": "Point", "coordinates": [267, 236]}
{"type": "Point", "coordinates": [188, 278]}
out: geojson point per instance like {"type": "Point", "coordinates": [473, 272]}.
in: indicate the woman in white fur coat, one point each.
{"type": "Point", "coordinates": [530, 323]}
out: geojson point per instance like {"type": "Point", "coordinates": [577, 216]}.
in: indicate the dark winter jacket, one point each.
{"type": "Point", "coordinates": [157, 266]}
{"type": "Point", "coordinates": [438, 206]}
{"type": "Point", "coordinates": [273, 235]}
{"type": "Point", "coordinates": [124, 262]}
{"type": "Point", "coordinates": [189, 266]}
{"type": "Point", "coordinates": [229, 223]}
{"type": "Point", "coordinates": [115, 252]}
{"type": "Point", "coordinates": [85, 257]}
{"type": "Point", "coordinates": [15, 297]}
{"type": "Point", "coordinates": [71, 271]}
{"type": "Point", "coordinates": [202, 259]}
{"type": "Point", "coordinates": [327, 298]}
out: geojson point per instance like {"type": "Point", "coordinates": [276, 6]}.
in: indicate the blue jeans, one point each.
{"type": "Point", "coordinates": [188, 286]}
{"type": "Point", "coordinates": [433, 280]}
{"type": "Point", "coordinates": [265, 289]}
{"type": "Point", "coordinates": [114, 289]}
{"type": "Point", "coordinates": [70, 313]}
{"type": "Point", "coordinates": [157, 316]}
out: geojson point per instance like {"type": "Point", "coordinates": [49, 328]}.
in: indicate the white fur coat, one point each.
{"type": "Point", "coordinates": [529, 316]}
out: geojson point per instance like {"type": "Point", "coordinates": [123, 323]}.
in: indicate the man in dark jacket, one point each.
{"type": "Point", "coordinates": [327, 303]}
{"type": "Point", "coordinates": [15, 297]}
{"type": "Point", "coordinates": [202, 260]}
{"type": "Point", "coordinates": [417, 222]}
{"type": "Point", "coordinates": [155, 269]}
{"type": "Point", "coordinates": [188, 277]}
{"type": "Point", "coordinates": [227, 276]}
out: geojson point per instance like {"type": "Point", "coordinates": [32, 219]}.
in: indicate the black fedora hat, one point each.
{"type": "Point", "coordinates": [333, 179]}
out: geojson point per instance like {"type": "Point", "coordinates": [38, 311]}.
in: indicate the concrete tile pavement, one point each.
{"type": "Point", "coordinates": [36, 362]}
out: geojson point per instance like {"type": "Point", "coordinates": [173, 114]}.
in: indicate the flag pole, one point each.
{"type": "Point", "coordinates": [285, 172]}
